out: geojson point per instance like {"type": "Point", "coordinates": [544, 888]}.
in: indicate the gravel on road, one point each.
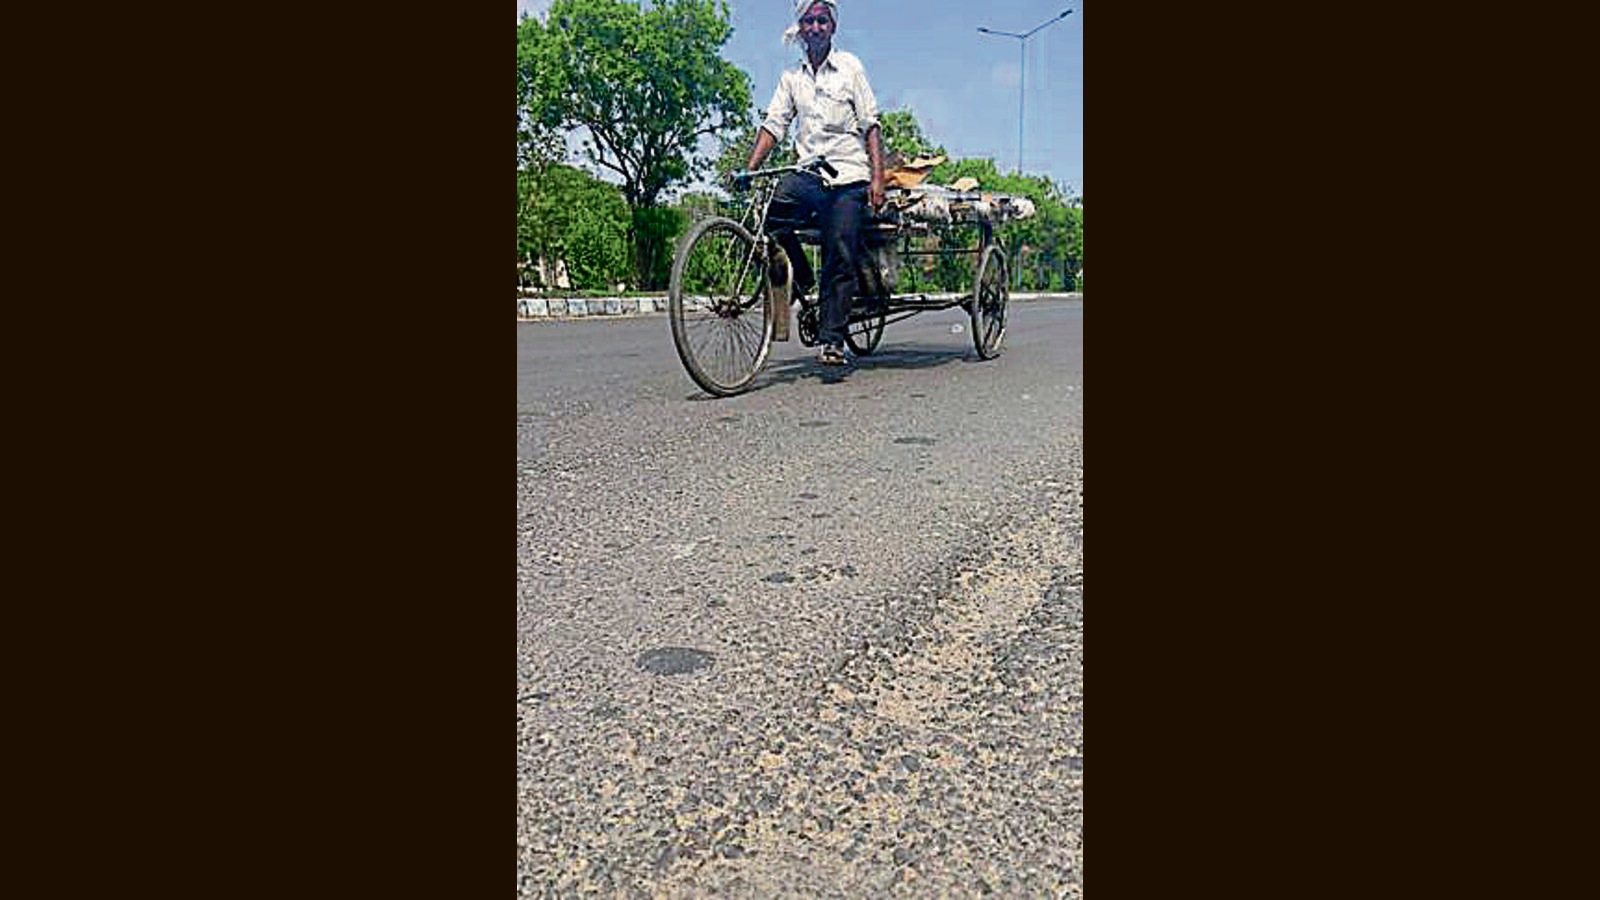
{"type": "Point", "coordinates": [820, 640]}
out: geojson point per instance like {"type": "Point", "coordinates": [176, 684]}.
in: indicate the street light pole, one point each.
{"type": "Point", "coordinates": [1022, 43]}
{"type": "Point", "coordinates": [1022, 94]}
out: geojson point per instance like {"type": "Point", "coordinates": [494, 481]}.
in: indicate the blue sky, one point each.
{"type": "Point", "coordinates": [929, 56]}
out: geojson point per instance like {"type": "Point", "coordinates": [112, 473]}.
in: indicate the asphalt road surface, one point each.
{"type": "Point", "coordinates": [821, 639]}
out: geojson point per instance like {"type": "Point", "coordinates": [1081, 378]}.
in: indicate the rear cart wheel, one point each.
{"type": "Point", "coordinates": [718, 305]}
{"type": "Point", "coordinates": [990, 292]}
{"type": "Point", "coordinates": [866, 330]}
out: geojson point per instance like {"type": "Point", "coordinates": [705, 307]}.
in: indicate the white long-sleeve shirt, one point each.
{"type": "Point", "coordinates": [832, 107]}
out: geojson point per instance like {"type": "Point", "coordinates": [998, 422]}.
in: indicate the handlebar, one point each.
{"type": "Point", "coordinates": [742, 179]}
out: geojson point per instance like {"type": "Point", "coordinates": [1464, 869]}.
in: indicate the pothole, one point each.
{"type": "Point", "coordinates": [674, 660]}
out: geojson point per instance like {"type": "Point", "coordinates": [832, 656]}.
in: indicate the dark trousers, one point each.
{"type": "Point", "coordinates": [803, 202]}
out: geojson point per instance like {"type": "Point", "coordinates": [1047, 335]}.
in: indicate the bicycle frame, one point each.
{"type": "Point", "coordinates": [754, 218]}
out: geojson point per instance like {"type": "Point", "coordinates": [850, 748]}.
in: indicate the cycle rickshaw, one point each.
{"type": "Point", "coordinates": [730, 291]}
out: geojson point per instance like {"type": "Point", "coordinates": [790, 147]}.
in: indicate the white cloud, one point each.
{"type": "Point", "coordinates": [1005, 75]}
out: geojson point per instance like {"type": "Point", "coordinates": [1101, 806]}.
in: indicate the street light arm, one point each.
{"type": "Point", "coordinates": [1049, 23]}
{"type": "Point", "coordinates": [1023, 37]}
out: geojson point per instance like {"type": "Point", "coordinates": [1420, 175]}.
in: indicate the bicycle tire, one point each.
{"type": "Point", "coordinates": [863, 334]}
{"type": "Point", "coordinates": [990, 293]}
{"type": "Point", "coordinates": [718, 304]}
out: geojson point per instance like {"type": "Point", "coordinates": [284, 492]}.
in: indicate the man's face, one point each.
{"type": "Point", "coordinates": [816, 26]}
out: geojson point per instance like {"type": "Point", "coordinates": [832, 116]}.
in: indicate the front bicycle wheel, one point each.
{"type": "Point", "coordinates": [718, 306]}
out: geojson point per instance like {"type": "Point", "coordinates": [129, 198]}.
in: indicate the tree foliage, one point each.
{"type": "Point", "coordinates": [697, 205]}
{"type": "Point", "coordinates": [646, 84]}
{"type": "Point", "coordinates": [902, 134]}
{"type": "Point", "coordinates": [564, 214]}
{"type": "Point", "coordinates": [655, 231]}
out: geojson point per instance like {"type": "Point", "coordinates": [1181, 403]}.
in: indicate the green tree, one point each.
{"type": "Point", "coordinates": [646, 84]}
{"type": "Point", "coordinates": [655, 230]}
{"type": "Point", "coordinates": [1053, 236]}
{"type": "Point", "coordinates": [530, 248]}
{"type": "Point", "coordinates": [1072, 264]}
{"type": "Point", "coordinates": [539, 142]}
{"type": "Point", "coordinates": [697, 205]}
{"type": "Point", "coordinates": [568, 215]}
{"type": "Point", "coordinates": [597, 250]}
{"type": "Point", "coordinates": [901, 133]}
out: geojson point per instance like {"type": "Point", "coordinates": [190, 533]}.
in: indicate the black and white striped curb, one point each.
{"type": "Point", "coordinates": [579, 307]}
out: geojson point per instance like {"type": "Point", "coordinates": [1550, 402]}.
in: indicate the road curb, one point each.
{"type": "Point", "coordinates": [559, 308]}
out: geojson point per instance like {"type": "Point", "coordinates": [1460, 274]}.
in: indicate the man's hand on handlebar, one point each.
{"type": "Point", "coordinates": [739, 181]}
